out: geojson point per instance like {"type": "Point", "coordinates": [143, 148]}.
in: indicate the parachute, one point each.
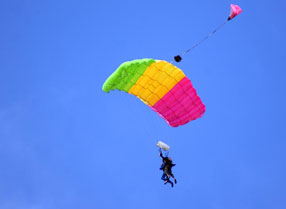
{"type": "Point", "coordinates": [160, 85]}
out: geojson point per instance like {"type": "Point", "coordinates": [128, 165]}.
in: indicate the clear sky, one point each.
{"type": "Point", "coordinates": [65, 144]}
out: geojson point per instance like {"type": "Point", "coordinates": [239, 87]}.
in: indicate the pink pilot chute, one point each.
{"type": "Point", "coordinates": [234, 11]}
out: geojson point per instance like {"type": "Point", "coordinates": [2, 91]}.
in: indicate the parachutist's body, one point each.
{"type": "Point", "coordinates": [166, 166]}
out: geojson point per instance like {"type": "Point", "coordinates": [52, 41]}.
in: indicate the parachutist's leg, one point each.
{"type": "Point", "coordinates": [175, 179]}
{"type": "Point", "coordinates": [171, 174]}
{"type": "Point", "coordinates": [166, 172]}
{"type": "Point", "coordinates": [164, 177]}
{"type": "Point", "coordinates": [169, 181]}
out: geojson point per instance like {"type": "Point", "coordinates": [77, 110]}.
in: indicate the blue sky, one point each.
{"type": "Point", "coordinates": [66, 144]}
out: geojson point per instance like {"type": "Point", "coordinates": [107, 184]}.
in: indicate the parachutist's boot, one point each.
{"type": "Point", "coordinates": [175, 181]}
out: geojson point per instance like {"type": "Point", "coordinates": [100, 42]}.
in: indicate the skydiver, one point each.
{"type": "Point", "coordinates": [166, 166]}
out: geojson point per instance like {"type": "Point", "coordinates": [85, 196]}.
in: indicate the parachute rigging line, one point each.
{"type": "Point", "coordinates": [235, 10]}
{"type": "Point", "coordinates": [178, 58]}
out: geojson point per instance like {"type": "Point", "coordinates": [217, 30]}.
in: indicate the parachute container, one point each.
{"type": "Point", "coordinates": [163, 146]}
{"type": "Point", "coordinates": [160, 85]}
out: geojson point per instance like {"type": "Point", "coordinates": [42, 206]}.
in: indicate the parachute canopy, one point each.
{"type": "Point", "coordinates": [234, 11]}
{"type": "Point", "coordinates": [163, 146]}
{"type": "Point", "coordinates": [160, 85]}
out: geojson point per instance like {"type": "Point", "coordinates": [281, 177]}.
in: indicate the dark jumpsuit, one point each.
{"type": "Point", "coordinates": [166, 166]}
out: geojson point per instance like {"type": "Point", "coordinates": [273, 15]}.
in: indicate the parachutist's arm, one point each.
{"type": "Point", "coordinates": [161, 155]}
